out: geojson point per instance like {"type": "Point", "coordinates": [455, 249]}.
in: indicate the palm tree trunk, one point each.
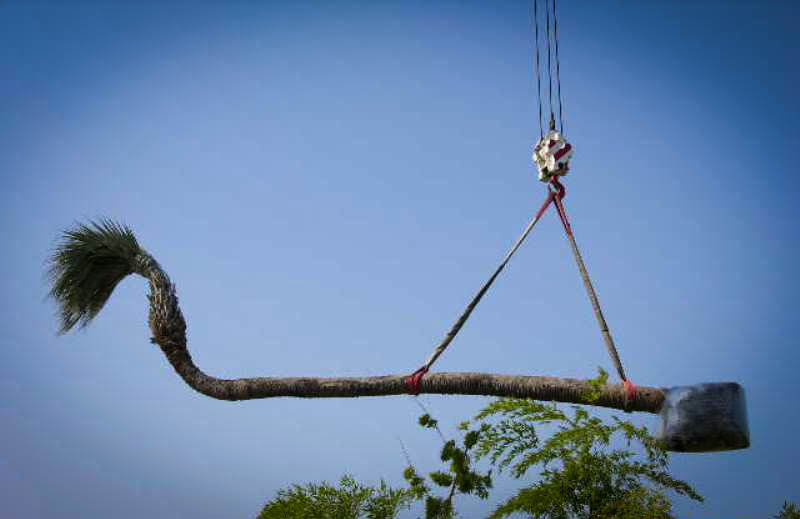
{"type": "Point", "coordinates": [169, 332]}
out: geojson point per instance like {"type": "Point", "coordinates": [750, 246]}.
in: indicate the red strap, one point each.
{"type": "Point", "coordinates": [415, 379]}
{"type": "Point", "coordinates": [563, 151]}
{"type": "Point", "coordinates": [560, 193]}
{"type": "Point", "coordinates": [630, 391]}
{"type": "Point", "coordinates": [550, 197]}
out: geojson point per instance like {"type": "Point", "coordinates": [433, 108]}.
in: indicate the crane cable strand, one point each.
{"type": "Point", "coordinates": [549, 65]}
{"type": "Point", "coordinates": [538, 67]}
{"type": "Point", "coordinates": [558, 70]}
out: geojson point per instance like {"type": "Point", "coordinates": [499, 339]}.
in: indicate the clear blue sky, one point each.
{"type": "Point", "coordinates": [328, 183]}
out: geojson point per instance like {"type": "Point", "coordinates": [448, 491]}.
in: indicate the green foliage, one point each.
{"type": "Point", "coordinates": [460, 476]}
{"type": "Point", "coordinates": [441, 478]}
{"type": "Point", "coordinates": [789, 511]}
{"type": "Point", "coordinates": [581, 474]}
{"type": "Point", "coordinates": [85, 268]}
{"type": "Point", "coordinates": [439, 508]}
{"type": "Point", "coordinates": [416, 483]}
{"type": "Point", "coordinates": [350, 500]}
{"type": "Point", "coordinates": [386, 502]}
{"type": "Point", "coordinates": [586, 468]}
{"type": "Point", "coordinates": [427, 421]}
{"type": "Point", "coordinates": [597, 384]}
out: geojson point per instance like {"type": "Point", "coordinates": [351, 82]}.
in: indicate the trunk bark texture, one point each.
{"type": "Point", "coordinates": [169, 332]}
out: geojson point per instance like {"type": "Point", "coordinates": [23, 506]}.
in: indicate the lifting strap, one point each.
{"type": "Point", "coordinates": [414, 380]}
{"type": "Point", "coordinates": [556, 193]}
{"type": "Point", "coordinates": [559, 190]}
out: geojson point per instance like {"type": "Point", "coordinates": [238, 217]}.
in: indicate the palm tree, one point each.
{"type": "Point", "coordinates": [91, 259]}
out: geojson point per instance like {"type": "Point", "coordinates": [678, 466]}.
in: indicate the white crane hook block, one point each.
{"type": "Point", "coordinates": [551, 156]}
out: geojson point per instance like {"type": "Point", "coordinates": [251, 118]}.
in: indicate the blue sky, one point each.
{"type": "Point", "coordinates": [328, 183]}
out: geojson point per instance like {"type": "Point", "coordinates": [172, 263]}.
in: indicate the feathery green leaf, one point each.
{"type": "Point", "coordinates": [86, 266]}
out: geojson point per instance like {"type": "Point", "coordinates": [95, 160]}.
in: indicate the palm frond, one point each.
{"type": "Point", "coordinates": [90, 260]}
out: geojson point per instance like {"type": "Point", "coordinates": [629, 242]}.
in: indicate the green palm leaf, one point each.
{"type": "Point", "coordinates": [88, 262]}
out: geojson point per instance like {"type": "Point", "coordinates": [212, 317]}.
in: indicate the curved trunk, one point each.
{"type": "Point", "coordinates": [169, 332]}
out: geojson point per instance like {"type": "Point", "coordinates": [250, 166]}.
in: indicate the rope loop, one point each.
{"type": "Point", "coordinates": [557, 188]}
{"type": "Point", "coordinates": [414, 380]}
